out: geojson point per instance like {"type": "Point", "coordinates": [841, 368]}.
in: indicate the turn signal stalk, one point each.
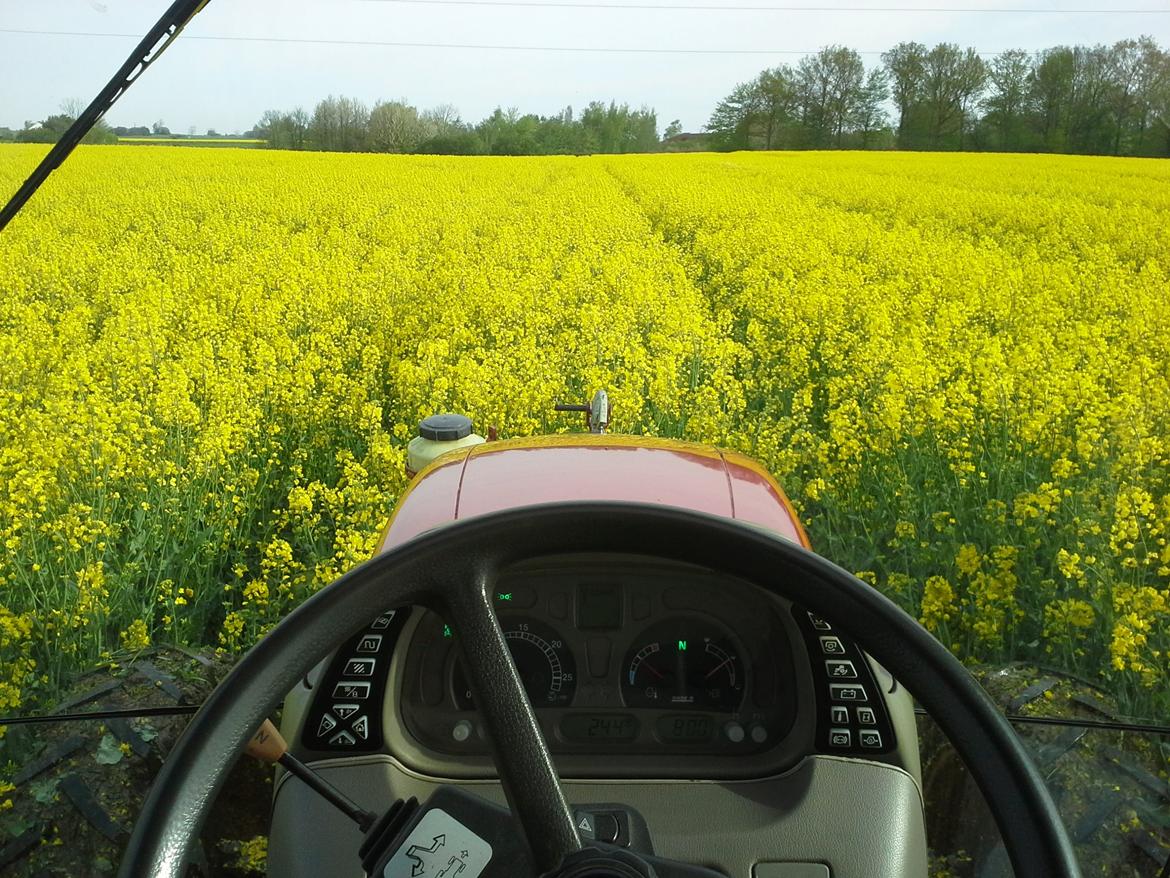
{"type": "Point", "coordinates": [269, 746]}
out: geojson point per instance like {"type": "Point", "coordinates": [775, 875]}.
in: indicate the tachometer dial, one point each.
{"type": "Point", "coordinates": [683, 663]}
{"type": "Point", "coordinates": [546, 666]}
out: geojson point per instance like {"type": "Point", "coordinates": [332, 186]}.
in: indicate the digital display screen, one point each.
{"type": "Point", "coordinates": [599, 606]}
{"type": "Point", "coordinates": [689, 728]}
{"type": "Point", "coordinates": [599, 727]}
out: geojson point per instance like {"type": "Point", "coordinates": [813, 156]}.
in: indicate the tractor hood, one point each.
{"type": "Point", "coordinates": [549, 469]}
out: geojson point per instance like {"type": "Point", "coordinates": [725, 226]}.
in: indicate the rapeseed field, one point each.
{"type": "Point", "coordinates": [957, 365]}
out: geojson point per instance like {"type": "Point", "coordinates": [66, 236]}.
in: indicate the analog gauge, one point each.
{"type": "Point", "coordinates": [546, 666]}
{"type": "Point", "coordinates": [683, 663]}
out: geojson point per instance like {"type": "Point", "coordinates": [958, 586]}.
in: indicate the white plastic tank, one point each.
{"type": "Point", "coordinates": [437, 435]}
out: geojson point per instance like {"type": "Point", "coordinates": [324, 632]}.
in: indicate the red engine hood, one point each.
{"type": "Point", "coordinates": [549, 469]}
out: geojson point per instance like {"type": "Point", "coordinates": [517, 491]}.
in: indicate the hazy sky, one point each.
{"type": "Point", "coordinates": [227, 84]}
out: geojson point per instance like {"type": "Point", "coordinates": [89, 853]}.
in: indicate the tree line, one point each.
{"type": "Point", "coordinates": [343, 124]}
{"type": "Point", "coordinates": [1082, 99]}
{"type": "Point", "coordinates": [1111, 100]}
{"type": "Point", "coordinates": [51, 128]}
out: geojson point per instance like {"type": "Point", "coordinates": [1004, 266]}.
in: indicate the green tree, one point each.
{"type": "Point", "coordinates": [734, 118]}
{"type": "Point", "coordinates": [1090, 128]}
{"type": "Point", "coordinates": [1007, 106]}
{"type": "Point", "coordinates": [777, 107]}
{"type": "Point", "coordinates": [869, 116]}
{"type": "Point", "coordinates": [906, 66]}
{"type": "Point", "coordinates": [829, 85]}
{"type": "Point", "coordinates": [1153, 100]}
{"type": "Point", "coordinates": [53, 127]}
{"type": "Point", "coordinates": [395, 126]}
{"type": "Point", "coordinates": [457, 140]}
{"type": "Point", "coordinates": [954, 81]}
{"type": "Point", "coordinates": [1051, 93]}
{"type": "Point", "coordinates": [339, 124]}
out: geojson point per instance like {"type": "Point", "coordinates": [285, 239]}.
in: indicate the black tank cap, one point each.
{"type": "Point", "coordinates": [444, 428]}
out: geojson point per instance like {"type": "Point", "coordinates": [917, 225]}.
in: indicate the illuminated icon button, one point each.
{"type": "Point", "coordinates": [351, 690]}
{"type": "Point", "coordinates": [865, 716]}
{"type": "Point", "coordinates": [370, 643]}
{"type": "Point", "coordinates": [871, 739]}
{"type": "Point", "coordinates": [343, 739]}
{"type": "Point", "coordinates": [520, 597]}
{"type": "Point", "coordinates": [838, 716]}
{"type": "Point", "coordinates": [361, 727]}
{"type": "Point", "coordinates": [840, 738]}
{"type": "Point", "coordinates": [846, 692]}
{"type": "Point", "coordinates": [359, 667]}
{"type": "Point", "coordinates": [819, 623]}
{"type": "Point", "coordinates": [326, 725]}
{"type": "Point", "coordinates": [345, 711]}
{"type": "Point", "coordinates": [832, 646]}
{"type": "Point", "coordinates": [383, 621]}
{"type": "Point", "coordinates": [841, 669]}
{"type": "Point", "coordinates": [734, 732]}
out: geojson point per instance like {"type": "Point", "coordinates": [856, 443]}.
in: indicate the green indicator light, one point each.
{"type": "Point", "coordinates": [682, 646]}
{"type": "Point", "coordinates": [504, 596]}
{"type": "Point", "coordinates": [446, 630]}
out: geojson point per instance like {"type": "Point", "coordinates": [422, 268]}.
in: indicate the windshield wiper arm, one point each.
{"type": "Point", "coordinates": [157, 39]}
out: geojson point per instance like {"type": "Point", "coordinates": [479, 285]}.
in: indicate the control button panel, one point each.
{"type": "Point", "coordinates": [370, 643]}
{"type": "Point", "coordinates": [841, 669]}
{"type": "Point", "coordinates": [846, 692]}
{"type": "Point", "coordinates": [611, 827]}
{"type": "Point", "coordinates": [359, 667]}
{"type": "Point", "coordinates": [851, 714]}
{"type": "Point", "coordinates": [346, 714]}
{"type": "Point", "coordinates": [351, 689]}
{"type": "Point", "coordinates": [832, 645]}
{"type": "Point", "coordinates": [840, 739]}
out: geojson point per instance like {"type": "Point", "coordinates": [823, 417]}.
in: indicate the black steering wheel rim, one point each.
{"type": "Point", "coordinates": [450, 568]}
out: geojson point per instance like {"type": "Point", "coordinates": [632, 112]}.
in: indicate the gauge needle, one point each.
{"type": "Point", "coordinates": [653, 670]}
{"type": "Point", "coordinates": [717, 668]}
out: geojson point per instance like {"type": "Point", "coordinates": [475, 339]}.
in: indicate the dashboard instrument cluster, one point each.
{"type": "Point", "coordinates": [629, 660]}
{"type": "Point", "coordinates": [634, 667]}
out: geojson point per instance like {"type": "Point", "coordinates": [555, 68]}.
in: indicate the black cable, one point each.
{"type": "Point", "coordinates": [490, 47]}
{"type": "Point", "coordinates": [177, 710]}
{"type": "Point", "coordinates": [1096, 725]}
{"type": "Point", "coordinates": [1099, 725]}
{"type": "Point", "coordinates": [850, 9]}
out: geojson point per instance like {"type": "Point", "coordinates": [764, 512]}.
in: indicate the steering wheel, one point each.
{"type": "Point", "coordinates": [452, 570]}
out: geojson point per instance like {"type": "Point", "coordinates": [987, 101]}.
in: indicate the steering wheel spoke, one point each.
{"type": "Point", "coordinates": [525, 766]}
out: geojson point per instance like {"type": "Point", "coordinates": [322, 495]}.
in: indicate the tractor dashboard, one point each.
{"type": "Point", "coordinates": [641, 672]}
{"type": "Point", "coordinates": [657, 670]}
